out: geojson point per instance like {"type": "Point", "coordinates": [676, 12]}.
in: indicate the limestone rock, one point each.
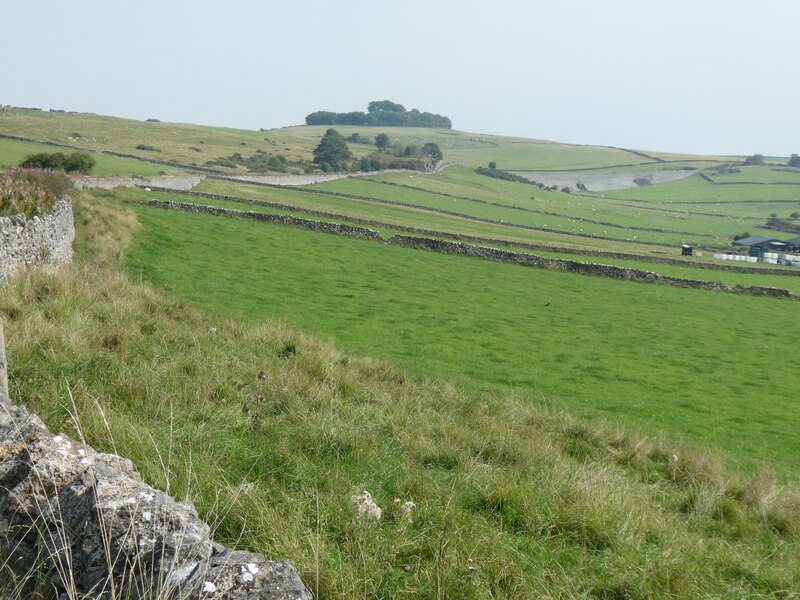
{"type": "Point", "coordinates": [89, 520]}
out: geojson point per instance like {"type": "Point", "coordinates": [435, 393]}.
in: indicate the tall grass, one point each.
{"type": "Point", "coordinates": [270, 431]}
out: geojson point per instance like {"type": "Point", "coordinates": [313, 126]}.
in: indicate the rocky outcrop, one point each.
{"type": "Point", "coordinates": [87, 521]}
{"type": "Point", "coordinates": [41, 241]}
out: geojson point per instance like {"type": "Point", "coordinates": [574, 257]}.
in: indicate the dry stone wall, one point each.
{"type": "Point", "coordinates": [92, 526]}
{"type": "Point", "coordinates": [339, 228]}
{"type": "Point", "coordinates": [180, 184]}
{"type": "Point", "coordinates": [41, 241]}
{"type": "Point", "coordinates": [612, 271]}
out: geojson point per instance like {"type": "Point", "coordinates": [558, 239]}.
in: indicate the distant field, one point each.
{"type": "Point", "coordinates": [687, 271]}
{"type": "Point", "coordinates": [411, 217]}
{"type": "Point", "coordinates": [13, 152]}
{"type": "Point", "coordinates": [695, 364]}
{"type": "Point", "coordinates": [196, 144]}
{"type": "Point", "coordinates": [772, 174]}
{"type": "Point", "coordinates": [695, 189]}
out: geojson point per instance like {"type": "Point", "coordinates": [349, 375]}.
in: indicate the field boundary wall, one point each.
{"type": "Point", "coordinates": [39, 241]}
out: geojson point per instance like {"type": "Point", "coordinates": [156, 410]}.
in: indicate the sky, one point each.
{"type": "Point", "coordinates": [696, 76]}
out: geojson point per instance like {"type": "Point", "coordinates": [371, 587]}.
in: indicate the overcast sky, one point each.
{"type": "Point", "coordinates": [703, 76]}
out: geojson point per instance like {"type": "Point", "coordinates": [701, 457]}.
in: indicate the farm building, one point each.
{"type": "Point", "coordinates": [766, 250]}
{"type": "Point", "coordinates": [793, 245]}
{"type": "Point", "coordinates": [758, 245]}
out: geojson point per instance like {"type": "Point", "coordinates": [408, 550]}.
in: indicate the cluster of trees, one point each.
{"type": "Point", "coordinates": [758, 159]}
{"type": "Point", "coordinates": [332, 154]}
{"type": "Point", "coordinates": [381, 112]}
{"type": "Point", "coordinates": [76, 162]}
{"type": "Point", "coordinates": [260, 162]}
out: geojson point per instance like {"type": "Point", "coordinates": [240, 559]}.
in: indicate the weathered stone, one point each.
{"type": "Point", "coordinates": [89, 520]}
{"type": "Point", "coordinates": [41, 241]}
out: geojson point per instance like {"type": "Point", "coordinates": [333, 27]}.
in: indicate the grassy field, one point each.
{"type": "Point", "coordinates": [13, 152]}
{"type": "Point", "coordinates": [686, 270]}
{"type": "Point", "coordinates": [527, 205]}
{"type": "Point", "coordinates": [198, 144]}
{"type": "Point", "coordinates": [703, 195]}
{"type": "Point", "coordinates": [513, 500]}
{"type": "Point", "coordinates": [412, 217]}
{"type": "Point", "coordinates": [562, 435]}
{"type": "Point", "coordinates": [691, 363]}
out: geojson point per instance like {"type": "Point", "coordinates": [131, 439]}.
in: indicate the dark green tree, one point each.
{"type": "Point", "coordinates": [333, 152]}
{"type": "Point", "coordinates": [76, 162]}
{"type": "Point", "coordinates": [385, 106]}
{"type": "Point", "coordinates": [433, 150]}
{"type": "Point", "coordinates": [382, 141]}
{"type": "Point", "coordinates": [79, 162]}
{"type": "Point", "coordinates": [492, 165]}
{"type": "Point", "coordinates": [756, 159]}
{"type": "Point", "coordinates": [794, 160]}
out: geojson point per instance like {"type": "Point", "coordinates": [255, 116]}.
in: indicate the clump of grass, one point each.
{"type": "Point", "coordinates": [31, 192]}
{"type": "Point", "coordinates": [270, 431]}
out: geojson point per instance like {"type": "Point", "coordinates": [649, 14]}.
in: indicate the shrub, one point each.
{"type": "Point", "coordinates": [756, 159]}
{"type": "Point", "coordinates": [76, 162]}
{"type": "Point", "coordinates": [147, 148]}
{"type": "Point", "coordinates": [31, 193]}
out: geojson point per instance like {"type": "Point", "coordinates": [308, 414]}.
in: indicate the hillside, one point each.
{"type": "Point", "coordinates": [578, 430]}
{"type": "Point", "coordinates": [513, 499]}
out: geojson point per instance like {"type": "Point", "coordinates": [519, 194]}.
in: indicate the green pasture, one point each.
{"type": "Point", "coordinates": [713, 368]}
{"type": "Point", "coordinates": [13, 152]}
{"type": "Point", "coordinates": [540, 208]}
{"type": "Point", "coordinates": [183, 143]}
{"type": "Point", "coordinates": [700, 193]}
{"type": "Point", "coordinates": [763, 174]}
{"type": "Point", "coordinates": [414, 217]}
{"type": "Point", "coordinates": [196, 144]}
{"type": "Point", "coordinates": [687, 270]}
{"type": "Point", "coordinates": [268, 431]}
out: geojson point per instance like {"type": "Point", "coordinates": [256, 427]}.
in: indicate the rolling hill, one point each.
{"type": "Point", "coordinates": [562, 434]}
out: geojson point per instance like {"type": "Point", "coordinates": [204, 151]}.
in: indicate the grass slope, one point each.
{"type": "Point", "coordinates": [13, 152]}
{"type": "Point", "coordinates": [706, 366]}
{"type": "Point", "coordinates": [513, 501]}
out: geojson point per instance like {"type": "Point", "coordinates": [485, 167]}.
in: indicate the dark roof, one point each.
{"type": "Point", "coordinates": [793, 242]}
{"type": "Point", "coordinates": [754, 240]}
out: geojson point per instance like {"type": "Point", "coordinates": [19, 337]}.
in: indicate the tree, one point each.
{"type": "Point", "coordinates": [382, 141]}
{"type": "Point", "coordinates": [321, 117]}
{"type": "Point", "coordinates": [333, 152]}
{"type": "Point", "coordinates": [756, 159]}
{"type": "Point", "coordinates": [79, 162]}
{"type": "Point", "coordinates": [385, 106]}
{"type": "Point", "coordinates": [492, 165]}
{"type": "Point", "coordinates": [794, 160]}
{"type": "Point", "coordinates": [76, 162]}
{"type": "Point", "coordinates": [433, 150]}
{"type": "Point", "coordinates": [795, 215]}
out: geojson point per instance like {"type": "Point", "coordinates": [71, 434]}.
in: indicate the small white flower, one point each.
{"type": "Point", "coordinates": [147, 516]}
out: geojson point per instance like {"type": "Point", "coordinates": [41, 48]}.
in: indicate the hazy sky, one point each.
{"type": "Point", "coordinates": [705, 76]}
